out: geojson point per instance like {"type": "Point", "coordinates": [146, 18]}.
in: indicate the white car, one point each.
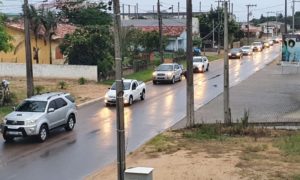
{"type": "Point", "coordinates": [133, 90]}
{"type": "Point", "coordinates": [167, 72]}
{"type": "Point", "coordinates": [247, 50]}
{"type": "Point", "coordinates": [200, 64]}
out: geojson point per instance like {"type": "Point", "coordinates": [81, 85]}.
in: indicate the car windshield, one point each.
{"type": "Point", "coordinates": [126, 86]}
{"type": "Point", "coordinates": [197, 59]}
{"type": "Point", "coordinates": [165, 68]}
{"type": "Point", "coordinates": [246, 47]}
{"type": "Point", "coordinates": [32, 106]}
{"type": "Point", "coordinates": [234, 50]}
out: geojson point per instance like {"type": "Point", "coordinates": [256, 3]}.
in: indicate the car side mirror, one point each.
{"type": "Point", "coordinates": [14, 108]}
{"type": "Point", "coordinates": [50, 110]}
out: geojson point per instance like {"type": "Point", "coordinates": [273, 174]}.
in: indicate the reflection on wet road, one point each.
{"type": "Point", "coordinates": [92, 144]}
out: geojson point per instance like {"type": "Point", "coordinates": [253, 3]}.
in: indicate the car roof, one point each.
{"type": "Point", "coordinates": [46, 96]}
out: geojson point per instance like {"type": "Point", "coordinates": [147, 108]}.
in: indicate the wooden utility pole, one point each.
{"type": "Point", "coordinates": [29, 73]}
{"type": "Point", "coordinates": [248, 25]}
{"type": "Point", "coordinates": [178, 10]}
{"type": "Point", "coordinates": [160, 49]}
{"type": "Point", "coordinates": [285, 17]}
{"type": "Point", "coordinates": [190, 80]}
{"type": "Point", "coordinates": [119, 93]}
{"type": "Point", "coordinates": [227, 112]}
{"type": "Point", "coordinates": [219, 27]}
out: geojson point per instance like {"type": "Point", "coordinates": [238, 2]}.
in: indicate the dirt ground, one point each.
{"type": "Point", "coordinates": [82, 93]}
{"type": "Point", "coordinates": [231, 158]}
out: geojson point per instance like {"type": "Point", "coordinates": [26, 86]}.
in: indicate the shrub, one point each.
{"type": "Point", "coordinates": [81, 80]}
{"type": "Point", "coordinates": [62, 85]}
{"type": "Point", "coordinates": [38, 89]}
{"type": "Point", "coordinates": [11, 98]}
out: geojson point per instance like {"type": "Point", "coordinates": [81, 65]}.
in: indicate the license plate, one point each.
{"type": "Point", "coordinates": [13, 132]}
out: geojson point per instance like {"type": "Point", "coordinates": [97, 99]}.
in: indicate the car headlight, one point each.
{"type": "Point", "coordinates": [229, 54]}
{"type": "Point", "coordinates": [30, 122]}
{"type": "Point", "coordinates": [154, 74]}
{"type": "Point", "coordinates": [169, 74]}
{"type": "Point", "coordinates": [238, 54]}
{"type": "Point", "coordinates": [106, 96]}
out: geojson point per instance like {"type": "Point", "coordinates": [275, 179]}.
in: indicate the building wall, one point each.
{"type": "Point", "coordinates": [50, 71]}
{"type": "Point", "coordinates": [18, 54]}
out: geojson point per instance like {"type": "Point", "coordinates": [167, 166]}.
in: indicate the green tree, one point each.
{"type": "Point", "coordinates": [89, 46]}
{"type": "Point", "coordinates": [35, 21]}
{"type": "Point", "coordinates": [49, 21]}
{"type": "Point", "coordinates": [5, 38]}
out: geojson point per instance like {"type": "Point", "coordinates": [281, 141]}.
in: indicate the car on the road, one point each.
{"type": "Point", "coordinates": [167, 72]}
{"type": "Point", "coordinates": [247, 50]}
{"type": "Point", "coordinates": [133, 90]}
{"type": "Point", "coordinates": [200, 64]}
{"type": "Point", "coordinates": [37, 115]}
{"type": "Point", "coordinates": [235, 53]}
{"type": "Point", "coordinates": [266, 44]}
{"type": "Point", "coordinates": [257, 46]}
{"type": "Point", "coordinates": [271, 42]}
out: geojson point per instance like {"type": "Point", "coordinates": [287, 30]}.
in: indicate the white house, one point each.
{"type": "Point", "coordinates": [174, 29]}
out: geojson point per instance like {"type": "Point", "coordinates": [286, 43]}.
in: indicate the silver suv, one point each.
{"type": "Point", "coordinates": [37, 115]}
{"type": "Point", "coordinates": [168, 72]}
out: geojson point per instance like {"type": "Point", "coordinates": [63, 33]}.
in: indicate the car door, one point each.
{"type": "Point", "coordinates": [51, 115]}
{"type": "Point", "coordinates": [61, 111]}
{"type": "Point", "coordinates": [135, 90]}
{"type": "Point", "coordinates": [177, 71]}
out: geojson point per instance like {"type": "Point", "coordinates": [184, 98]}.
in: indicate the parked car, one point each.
{"type": "Point", "coordinates": [235, 53]}
{"type": "Point", "coordinates": [270, 41]}
{"type": "Point", "coordinates": [133, 90]}
{"type": "Point", "coordinates": [247, 50]}
{"type": "Point", "coordinates": [257, 46]}
{"type": "Point", "coordinates": [266, 44]}
{"type": "Point", "coordinates": [200, 64]}
{"type": "Point", "coordinates": [167, 72]}
{"type": "Point", "coordinates": [37, 115]}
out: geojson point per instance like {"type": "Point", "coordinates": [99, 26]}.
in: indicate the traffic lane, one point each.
{"type": "Point", "coordinates": [99, 125]}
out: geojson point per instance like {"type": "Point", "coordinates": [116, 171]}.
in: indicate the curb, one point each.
{"type": "Point", "coordinates": [89, 102]}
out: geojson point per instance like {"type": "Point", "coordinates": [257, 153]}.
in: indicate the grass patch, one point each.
{"type": "Point", "coordinates": [289, 144]}
{"type": "Point", "coordinates": [214, 57]}
{"type": "Point", "coordinates": [162, 143]}
{"type": "Point", "coordinates": [296, 177]}
{"type": "Point", "coordinates": [145, 75]}
{"type": "Point", "coordinates": [204, 132]}
{"type": "Point", "coordinates": [4, 111]}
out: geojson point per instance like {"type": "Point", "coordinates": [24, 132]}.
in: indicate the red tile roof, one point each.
{"type": "Point", "coordinates": [173, 31]}
{"type": "Point", "coordinates": [60, 32]}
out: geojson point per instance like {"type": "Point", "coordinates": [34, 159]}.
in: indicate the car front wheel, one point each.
{"type": "Point", "coordinates": [8, 138]}
{"type": "Point", "coordinates": [43, 133]}
{"type": "Point", "coordinates": [173, 80]}
{"type": "Point", "coordinates": [70, 123]}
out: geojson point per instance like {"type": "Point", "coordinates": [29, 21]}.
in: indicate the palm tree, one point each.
{"type": "Point", "coordinates": [49, 21]}
{"type": "Point", "coordinates": [35, 26]}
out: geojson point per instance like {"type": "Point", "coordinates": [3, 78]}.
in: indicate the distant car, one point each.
{"type": "Point", "coordinates": [167, 72]}
{"type": "Point", "coordinates": [271, 42]}
{"type": "Point", "coordinates": [266, 44]}
{"type": "Point", "coordinates": [257, 46]}
{"type": "Point", "coordinates": [235, 53]}
{"type": "Point", "coordinates": [247, 50]}
{"type": "Point", "coordinates": [133, 90]}
{"type": "Point", "coordinates": [37, 115]}
{"type": "Point", "coordinates": [200, 64]}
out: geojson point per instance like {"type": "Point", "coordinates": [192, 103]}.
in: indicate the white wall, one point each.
{"type": "Point", "coordinates": [50, 71]}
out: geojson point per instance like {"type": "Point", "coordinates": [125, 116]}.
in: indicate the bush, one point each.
{"type": "Point", "coordinates": [10, 99]}
{"type": "Point", "coordinates": [82, 80]}
{"type": "Point", "coordinates": [62, 85]}
{"type": "Point", "coordinates": [38, 89]}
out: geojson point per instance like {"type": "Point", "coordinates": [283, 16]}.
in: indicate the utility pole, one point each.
{"type": "Point", "coordinates": [268, 22]}
{"type": "Point", "coordinates": [190, 80]}
{"type": "Point", "coordinates": [129, 11]}
{"type": "Point", "coordinates": [119, 93]}
{"type": "Point", "coordinates": [161, 53]}
{"type": "Point", "coordinates": [248, 25]}
{"type": "Point", "coordinates": [200, 6]}
{"type": "Point", "coordinates": [294, 1]}
{"type": "Point", "coordinates": [178, 10]}
{"type": "Point", "coordinates": [137, 10]}
{"type": "Point", "coordinates": [285, 17]}
{"type": "Point", "coordinates": [29, 73]}
{"type": "Point", "coordinates": [227, 112]}
{"type": "Point", "coordinates": [219, 26]}
{"type": "Point", "coordinates": [213, 43]}
{"type": "Point", "coordinates": [123, 9]}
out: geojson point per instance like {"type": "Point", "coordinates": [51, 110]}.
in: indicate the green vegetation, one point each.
{"type": "Point", "coordinates": [204, 132]}
{"type": "Point", "coordinates": [38, 89]}
{"type": "Point", "coordinates": [4, 111]}
{"type": "Point", "coordinates": [82, 81]}
{"type": "Point", "coordinates": [214, 57]}
{"type": "Point", "coordinates": [289, 144]}
{"type": "Point", "coordinates": [62, 85]}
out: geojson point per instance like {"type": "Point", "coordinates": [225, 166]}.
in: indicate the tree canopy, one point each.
{"type": "Point", "coordinates": [5, 38]}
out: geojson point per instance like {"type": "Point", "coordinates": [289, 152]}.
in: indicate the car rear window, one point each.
{"type": "Point", "coordinates": [70, 98]}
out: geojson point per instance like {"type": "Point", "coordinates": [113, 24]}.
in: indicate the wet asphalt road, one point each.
{"type": "Point", "coordinates": [92, 144]}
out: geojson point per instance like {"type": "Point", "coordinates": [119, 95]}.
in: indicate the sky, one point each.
{"type": "Point", "coordinates": [239, 6]}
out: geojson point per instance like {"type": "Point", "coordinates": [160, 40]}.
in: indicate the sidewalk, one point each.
{"type": "Point", "coordinates": [269, 95]}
